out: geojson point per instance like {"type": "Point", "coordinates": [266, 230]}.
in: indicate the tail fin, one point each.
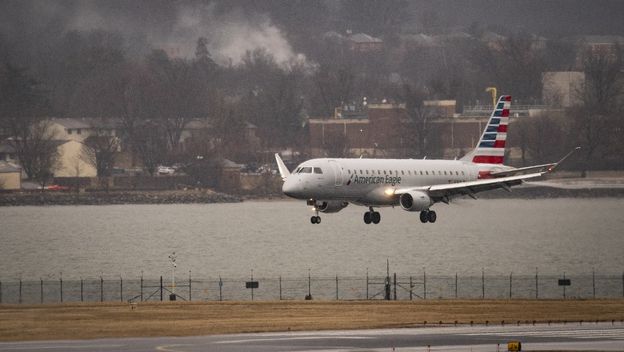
{"type": "Point", "coordinates": [491, 146]}
{"type": "Point", "coordinates": [283, 170]}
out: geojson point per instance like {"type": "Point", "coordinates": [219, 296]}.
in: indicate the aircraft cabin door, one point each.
{"type": "Point", "coordinates": [337, 171]}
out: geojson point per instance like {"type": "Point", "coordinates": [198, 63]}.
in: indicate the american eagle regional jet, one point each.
{"type": "Point", "coordinates": [329, 184]}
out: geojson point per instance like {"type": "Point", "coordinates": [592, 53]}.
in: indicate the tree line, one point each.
{"type": "Point", "coordinates": [152, 98]}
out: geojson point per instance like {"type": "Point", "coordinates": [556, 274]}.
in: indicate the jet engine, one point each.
{"type": "Point", "coordinates": [331, 206]}
{"type": "Point", "coordinates": [415, 201]}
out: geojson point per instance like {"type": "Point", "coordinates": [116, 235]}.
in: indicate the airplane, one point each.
{"type": "Point", "coordinates": [330, 184]}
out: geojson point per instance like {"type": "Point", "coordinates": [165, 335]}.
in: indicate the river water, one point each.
{"type": "Point", "coordinates": [276, 238]}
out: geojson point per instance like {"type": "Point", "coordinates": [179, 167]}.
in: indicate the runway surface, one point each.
{"type": "Point", "coordinates": [589, 336]}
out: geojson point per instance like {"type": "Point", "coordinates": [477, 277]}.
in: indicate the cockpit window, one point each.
{"type": "Point", "coordinates": [317, 170]}
{"type": "Point", "coordinates": [297, 171]}
{"type": "Point", "coordinates": [306, 170]}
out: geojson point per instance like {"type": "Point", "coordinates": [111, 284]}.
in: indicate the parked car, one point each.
{"type": "Point", "coordinates": [165, 170]}
{"type": "Point", "coordinates": [57, 188]}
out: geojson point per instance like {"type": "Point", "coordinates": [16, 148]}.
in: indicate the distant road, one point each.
{"type": "Point", "coordinates": [580, 183]}
{"type": "Point", "coordinates": [569, 337]}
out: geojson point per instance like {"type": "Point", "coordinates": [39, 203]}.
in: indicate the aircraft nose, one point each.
{"type": "Point", "coordinates": [290, 187]}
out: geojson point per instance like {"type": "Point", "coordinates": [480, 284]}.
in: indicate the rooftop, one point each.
{"type": "Point", "coordinates": [6, 167]}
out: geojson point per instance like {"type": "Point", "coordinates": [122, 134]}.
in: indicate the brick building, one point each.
{"type": "Point", "coordinates": [382, 130]}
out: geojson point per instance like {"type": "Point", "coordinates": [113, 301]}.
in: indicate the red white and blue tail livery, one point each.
{"type": "Point", "coordinates": [491, 147]}
{"type": "Point", "coordinates": [331, 184]}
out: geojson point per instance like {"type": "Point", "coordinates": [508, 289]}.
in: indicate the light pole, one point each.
{"type": "Point", "coordinates": [172, 259]}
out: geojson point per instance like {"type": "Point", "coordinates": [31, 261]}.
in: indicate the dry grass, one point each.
{"type": "Point", "coordinates": [97, 320]}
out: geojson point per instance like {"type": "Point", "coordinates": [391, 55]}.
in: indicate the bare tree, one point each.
{"type": "Point", "coordinates": [546, 138]}
{"type": "Point", "coordinates": [151, 144]}
{"type": "Point", "coordinates": [273, 98]}
{"type": "Point", "coordinates": [39, 152]}
{"type": "Point", "coordinates": [99, 150]}
{"type": "Point", "coordinates": [179, 92]}
{"type": "Point", "coordinates": [22, 102]}
{"type": "Point", "coordinates": [334, 86]}
{"type": "Point", "coordinates": [597, 118]}
{"type": "Point", "coordinates": [228, 132]}
{"type": "Point", "coordinates": [513, 64]}
{"type": "Point", "coordinates": [418, 125]}
{"type": "Point", "coordinates": [202, 160]}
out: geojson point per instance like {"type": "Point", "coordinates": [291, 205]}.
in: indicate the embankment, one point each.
{"type": "Point", "coordinates": [116, 197]}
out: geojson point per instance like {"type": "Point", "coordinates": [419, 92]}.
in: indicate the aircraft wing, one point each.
{"type": "Point", "coordinates": [470, 188]}
{"type": "Point", "coordinates": [524, 170]}
{"type": "Point", "coordinates": [544, 168]}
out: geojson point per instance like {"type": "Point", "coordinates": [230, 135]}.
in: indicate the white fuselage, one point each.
{"type": "Point", "coordinates": [371, 182]}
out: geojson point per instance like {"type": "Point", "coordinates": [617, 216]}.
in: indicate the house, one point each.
{"type": "Point", "coordinates": [70, 162]}
{"type": "Point", "coordinates": [202, 129]}
{"type": "Point", "coordinates": [10, 176]}
{"type": "Point", "coordinates": [601, 43]}
{"type": "Point", "coordinates": [361, 42]}
{"type": "Point", "coordinates": [70, 129]}
{"type": "Point", "coordinates": [358, 42]}
{"type": "Point", "coordinates": [7, 152]}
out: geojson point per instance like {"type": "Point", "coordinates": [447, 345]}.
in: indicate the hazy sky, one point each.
{"type": "Point", "coordinates": [236, 26]}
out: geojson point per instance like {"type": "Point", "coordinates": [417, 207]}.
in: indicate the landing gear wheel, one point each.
{"type": "Point", "coordinates": [424, 216]}
{"type": "Point", "coordinates": [367, 218]}
{"type": "Point", "coordinates": [315, 219]}
{"type": "Point", "coordinates": [375, 217]}
{"type": "Point", "coordinates": [432, 216]}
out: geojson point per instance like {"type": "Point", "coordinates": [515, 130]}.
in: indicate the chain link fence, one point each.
{"type": "Point", "coordinates": [390, 287]}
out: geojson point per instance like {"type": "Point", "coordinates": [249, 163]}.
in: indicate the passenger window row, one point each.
{"type": "Point", "coordinates": [409, 172]}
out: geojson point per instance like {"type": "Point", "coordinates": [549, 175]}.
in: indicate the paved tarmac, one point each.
{"type": "Point", "coordinates": [569, 337]}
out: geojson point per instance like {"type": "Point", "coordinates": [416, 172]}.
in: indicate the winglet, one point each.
{"type": "Point", "coordinates": [283, 170]}
{"type": "Point", "coordinates": [552, 168]}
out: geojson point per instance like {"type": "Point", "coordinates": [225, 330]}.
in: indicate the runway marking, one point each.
{"type": "Point", "coordinates": [168, 348]}
{"type": "Point", "coordinates": [459, 330]}
{"type": "Point", "coordinates": [287, 338]}
{"type": "Point", "coordinates": [617, 334]}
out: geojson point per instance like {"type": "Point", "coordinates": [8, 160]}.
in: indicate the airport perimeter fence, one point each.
{"type": "Point", "coordinates": [391, 287]}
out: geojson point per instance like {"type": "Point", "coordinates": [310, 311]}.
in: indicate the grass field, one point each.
{"type": "Point", "coordinates": [98, 320]}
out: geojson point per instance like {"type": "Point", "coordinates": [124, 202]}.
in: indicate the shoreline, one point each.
{"type": "Point", "coordinates": [50, 198]}
{"type": "Point", "coordinates": [116, 197]}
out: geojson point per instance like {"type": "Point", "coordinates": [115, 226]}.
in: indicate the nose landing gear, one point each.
{"type": "Point", "coordinates": [428, 216]}
{"type": "Point", "coordinates": [315, 219]}
{"type": "Point", "coordinates": [372, 216]}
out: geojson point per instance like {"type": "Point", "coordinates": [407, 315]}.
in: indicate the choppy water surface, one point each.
{"type": "Point", "coordinates": [275, 238]}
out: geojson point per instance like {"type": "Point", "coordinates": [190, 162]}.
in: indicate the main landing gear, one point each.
{"type": "Point", "coordinates": [428, 216]}
{"type": "Point", "coordinates": [372, 216]}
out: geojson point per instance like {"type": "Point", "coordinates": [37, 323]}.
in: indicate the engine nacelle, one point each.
{"type": "Point", "coordinates": [415, 201]}
{"type": "Point", "coordinates": [331, 206]}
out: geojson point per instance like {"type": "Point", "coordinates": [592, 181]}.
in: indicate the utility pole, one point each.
{"type": "Point", "coordinates": [172, 259]}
